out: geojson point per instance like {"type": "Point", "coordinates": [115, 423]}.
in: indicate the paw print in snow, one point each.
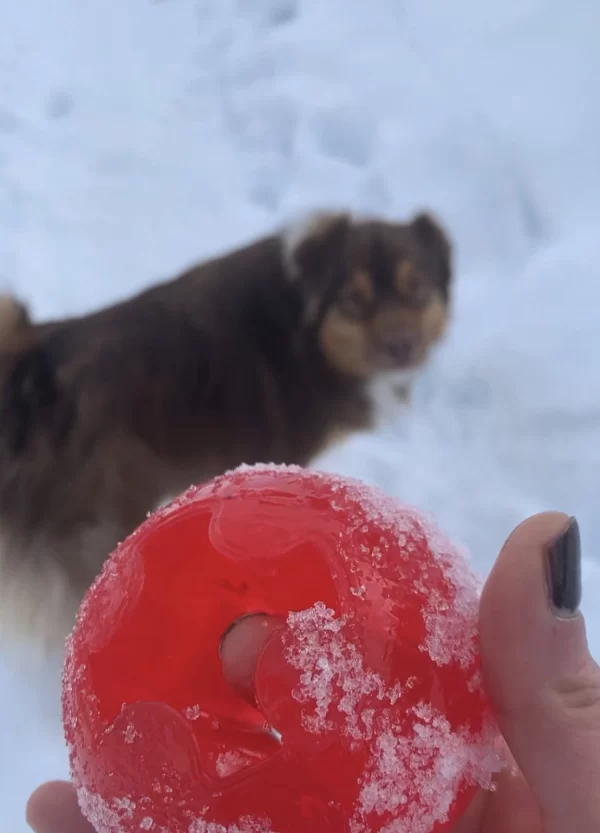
{"type": "Point", "coordinates": [346, 134]}
{"type": "Point", "coordinates": [373, 194]}
{"type": "Point", "coordinates": [268, 123]}
{"type": "Point", "coordinates": [59, 105]}
{"type": "Point", "coordinates": [270, 13]}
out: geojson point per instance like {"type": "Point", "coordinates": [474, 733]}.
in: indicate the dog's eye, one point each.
{"type": "Point", "coordinates": [352, 304]}
{"type": "Point", "coordinates": [411, 284]}
{"type": "Point", "coordinates": [416, 292]}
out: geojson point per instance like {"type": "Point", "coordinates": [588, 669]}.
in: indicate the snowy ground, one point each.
{"type": "Point", "coordinates": [136, 137]}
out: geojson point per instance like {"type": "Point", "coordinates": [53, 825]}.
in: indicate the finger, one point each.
{"type": "Point", "coordinates": [510, 808]}
{"type": "Point", "coordinates": [241, 646]}
{"type": "Point", "coordinates": [539, 673]}
{"type": "Point", "coordinates": [53, 808]}
{"type": "Point", "coordinates": [471, 821]}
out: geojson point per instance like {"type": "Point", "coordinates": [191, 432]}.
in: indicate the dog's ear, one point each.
{"type": "Point", "coordinates": [314, 253]}
{"type": "Point", "coordinates": [434, 239]}
{"type": "Point", "coordinates": [311, 245]}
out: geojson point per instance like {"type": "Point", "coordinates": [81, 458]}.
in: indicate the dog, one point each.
{"type": "Point", "coordinates": [264, 354]}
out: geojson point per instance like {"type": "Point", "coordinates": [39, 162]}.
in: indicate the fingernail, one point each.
{"type": "Point", "coordinates": [564, 572]}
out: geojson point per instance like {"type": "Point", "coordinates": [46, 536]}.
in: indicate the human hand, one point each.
{"type": "Point", "coordinates": [544, 685]}
{"type": "Point", "coordinates": [539, 674]}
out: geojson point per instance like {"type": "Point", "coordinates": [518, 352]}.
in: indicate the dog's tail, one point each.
{"type": "Point", "coordinates": [38, 601]}
{"type": "Point", "coordinates": [36, 598]}
{"type": "Point", "coordinates": [31, 400]}
{"type": "Point", "coordinates": [16, 330]}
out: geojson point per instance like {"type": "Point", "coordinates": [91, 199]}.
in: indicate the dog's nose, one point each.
{"type": "Point", "coordinates": [399, 348]}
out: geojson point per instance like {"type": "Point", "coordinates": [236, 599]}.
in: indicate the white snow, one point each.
{"type": "Point", "coordinates": [414, 773]}
{"type": "Point", "coordinates": [138, 137]}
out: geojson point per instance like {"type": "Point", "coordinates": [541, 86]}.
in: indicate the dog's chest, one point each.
{"type": "Point", "coordinates": [389, 392]}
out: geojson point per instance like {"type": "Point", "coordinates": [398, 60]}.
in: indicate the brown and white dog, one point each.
{"type": "Point", "coordinates": [265, 354]}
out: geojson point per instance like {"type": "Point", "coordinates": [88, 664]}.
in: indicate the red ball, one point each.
{"type": "Point", "coordinates": [369, 712]}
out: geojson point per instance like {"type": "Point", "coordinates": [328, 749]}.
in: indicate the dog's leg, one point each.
{"type": "Point", "coordinates": [43, 581]}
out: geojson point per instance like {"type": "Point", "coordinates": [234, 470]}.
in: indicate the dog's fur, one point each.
{"type": "Point", "coordinates": [263, 354]}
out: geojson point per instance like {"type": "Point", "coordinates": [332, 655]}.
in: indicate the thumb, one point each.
{"type": "Point", "coordinates": [53, 808]}
{"type": "Point", "coordinates": [539, 673]}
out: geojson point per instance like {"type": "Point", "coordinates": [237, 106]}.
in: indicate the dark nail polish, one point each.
{"type": "Point", "coordinates": [564, 572]}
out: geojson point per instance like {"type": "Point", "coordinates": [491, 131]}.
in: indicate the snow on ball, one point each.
{"type": "Point", "coordinates": [369, 713]}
